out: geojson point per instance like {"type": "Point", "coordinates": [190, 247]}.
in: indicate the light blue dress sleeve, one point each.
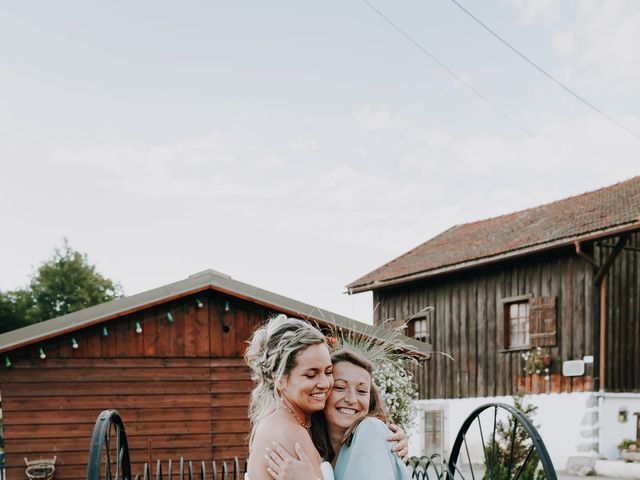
{"type": "Point", "coordinates": [369, 456]}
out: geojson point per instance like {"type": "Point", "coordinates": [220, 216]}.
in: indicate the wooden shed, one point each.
{"type": "Point", "coordinates": [515, 297]}
{"type": "Point", "coordinates": [169, 360]}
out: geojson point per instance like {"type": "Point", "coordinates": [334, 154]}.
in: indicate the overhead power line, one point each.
{"type": "Point", "coordinates": [544, 72]}
{"type": "Point", "coordinates": [448, 70]}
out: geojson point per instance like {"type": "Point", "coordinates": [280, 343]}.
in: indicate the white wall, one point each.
{"type": "Point", "coordinates": [612, 432]}
{"type": "Point", "coordinates": [560, 417]}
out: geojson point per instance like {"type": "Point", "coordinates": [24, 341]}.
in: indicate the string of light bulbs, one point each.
{"type": "Point", "coordinates": [105, 332]}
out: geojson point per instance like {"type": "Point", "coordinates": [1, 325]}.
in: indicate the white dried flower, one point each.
{"type": "Point", "coordinates": [398, 390]}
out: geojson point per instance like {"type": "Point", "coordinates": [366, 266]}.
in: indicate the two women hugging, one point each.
{"type": "Point", "coordinates": [316, 415]}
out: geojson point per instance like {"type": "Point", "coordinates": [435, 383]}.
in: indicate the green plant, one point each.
{"type": "Point", "coordinates": [630, 445]}
{"type": "Point", "coordinates": [508, 452]}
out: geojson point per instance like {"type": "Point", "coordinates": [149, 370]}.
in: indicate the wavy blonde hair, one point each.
{"type": "Point", "coordinates": [271, 355]}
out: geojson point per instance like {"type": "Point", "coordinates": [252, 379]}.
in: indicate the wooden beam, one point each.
{"type": "Point", "coordinates": [611, 258]}
{"type": "Point", "coordinates": [626, 247]}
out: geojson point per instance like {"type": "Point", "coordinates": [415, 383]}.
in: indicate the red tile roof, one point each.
{"type": "Point", "coordinates": [592, 214]}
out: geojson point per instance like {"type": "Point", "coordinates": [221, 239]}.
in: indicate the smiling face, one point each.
{"type": "Point", "coordinates": [351, 395]}
{"type": "Point", "coordinates": [307, 385]}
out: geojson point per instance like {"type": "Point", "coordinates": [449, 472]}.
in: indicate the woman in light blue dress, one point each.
{"type": "Point", "coordinates": [369, 456]}
{"type": "Point", "coordinates": [353, 432]}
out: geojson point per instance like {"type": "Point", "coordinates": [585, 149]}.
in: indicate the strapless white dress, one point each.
{"type": "Point", "coordinates": [327, 471]}
{"type": "Point", "coordinates": [325, 468]}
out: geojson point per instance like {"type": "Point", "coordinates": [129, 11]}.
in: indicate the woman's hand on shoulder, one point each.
{"type": "Point", "coordinates": [401, 447]}
{"type": "Point", "coordinates": [282, 466]}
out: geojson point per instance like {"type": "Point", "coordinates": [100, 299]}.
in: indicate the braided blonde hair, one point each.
{"type": "Point", "coordinates": [271, 355]}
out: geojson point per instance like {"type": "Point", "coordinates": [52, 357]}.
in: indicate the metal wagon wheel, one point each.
{"type": "Point", "coordinates": [109, 452]}
{"type": "Point", "coordinates": [426, 468]}
{"type": "Point", "coordinates": [498, 442]}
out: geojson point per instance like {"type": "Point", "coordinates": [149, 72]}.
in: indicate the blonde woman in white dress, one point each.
{"type": "Point", "coordinates": [291, 366]}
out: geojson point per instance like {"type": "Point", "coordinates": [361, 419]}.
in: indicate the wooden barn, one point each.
{"type": "Point", "coordinates": [545, 301]}
{"type": "Point", "coordinates": [169, 360]}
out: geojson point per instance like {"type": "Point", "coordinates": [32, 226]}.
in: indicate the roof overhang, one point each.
{"type": "Point", "coordinates": [203, 281]}
{"type": "Point", "coordinates": [513, 254]}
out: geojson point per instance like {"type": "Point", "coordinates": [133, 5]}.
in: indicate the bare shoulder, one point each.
{"type": "Point", "coordinates": [284, 431]}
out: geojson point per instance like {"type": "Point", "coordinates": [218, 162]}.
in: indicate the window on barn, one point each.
{"type": "Point", "coordinates": [529, 322]}
{"type": "Point", "coordinates": [418, 329]}
{"type": "Point", "coordinates": [517, 323]}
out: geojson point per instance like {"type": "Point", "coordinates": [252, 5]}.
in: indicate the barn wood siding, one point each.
{"type": "Point", "coordinates": [182, 389]}
{"type": "Point", "coordinates": [469, 324]}
{"type": "Point", "coordinates": [623, 317]}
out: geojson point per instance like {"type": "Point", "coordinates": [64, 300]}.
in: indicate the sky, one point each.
{"type": "Point", "coordinates": [297, 145]}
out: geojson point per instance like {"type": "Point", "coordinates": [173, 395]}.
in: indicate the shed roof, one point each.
{"type": "Point", "coordinates": [205, 280]}
{"type": "Point", "coordinates": [591, 215]}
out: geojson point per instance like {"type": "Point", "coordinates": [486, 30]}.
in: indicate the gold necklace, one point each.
{"type": "Point", "coordinates": [306, 426]}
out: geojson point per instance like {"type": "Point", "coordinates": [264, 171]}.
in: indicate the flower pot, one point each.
{"type": "Point", "coordinates": [629, 456]}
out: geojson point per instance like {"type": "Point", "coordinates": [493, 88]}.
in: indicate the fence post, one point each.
{"type": "Point", "coordinates": [158, 470]}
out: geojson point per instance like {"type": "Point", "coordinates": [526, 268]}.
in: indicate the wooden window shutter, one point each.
{"type": "Point", "coordinates": [543, 322]}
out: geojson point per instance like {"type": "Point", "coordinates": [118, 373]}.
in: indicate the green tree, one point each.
{"type": "Point", "coordinates": [12, 310]}
{"type": "Point", "coordinates": [65, 283]}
